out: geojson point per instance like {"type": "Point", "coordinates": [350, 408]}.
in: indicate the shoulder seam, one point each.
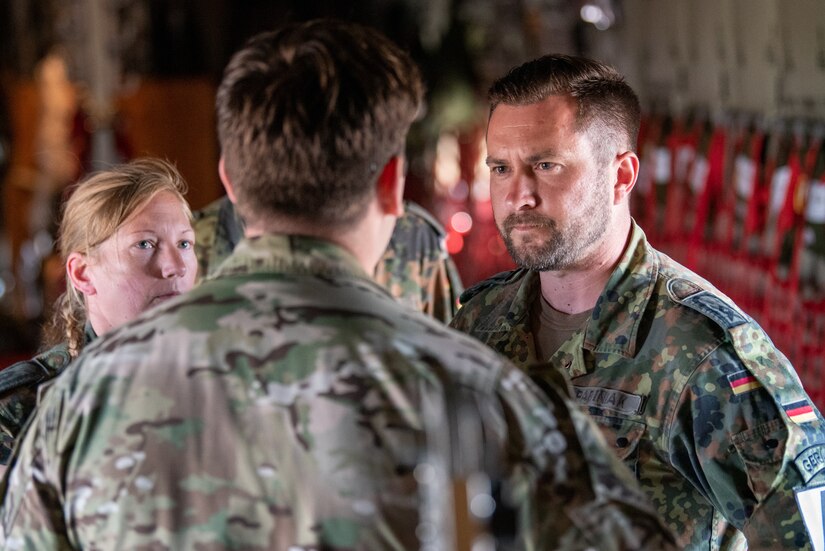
{"type": "Point", "coordinates": [497, 279]}
{"type": "Point", "coordinates": [22, 374]}
{"type": "Point", "coordinates": [414, 209]}
{"type": "Point", "coordinates": [707, 303]}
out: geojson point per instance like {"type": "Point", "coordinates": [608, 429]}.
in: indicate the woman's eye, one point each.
{"type": "Point", "coordinates": [185, 244]}
{"type": "Point", "coordinates": [145, 244]}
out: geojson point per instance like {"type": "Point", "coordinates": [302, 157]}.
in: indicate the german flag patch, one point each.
{"type": "Point", "coordinates": [742, 381]}
{"type": "Point", "coordinates": [800, 412]}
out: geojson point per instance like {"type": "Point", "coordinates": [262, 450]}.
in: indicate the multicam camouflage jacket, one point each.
{"type": "Point", "coordinates": [690, 392]}
{"type": "Point", "coordinates": [19, 384]}
{"type": "Point", "coordinates": [291, 403]}
{"type": "Point", "coordinates": [416, 267]}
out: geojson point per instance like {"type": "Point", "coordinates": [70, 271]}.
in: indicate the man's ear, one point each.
{"type": "Point", "coordinates": [227, 183]}
{"type": "Point", "coordinates": [627, 170]}
{"type": "Point", "coordinates": [390, 187]}
{"type": "Point", "coordinates": [77, 268]}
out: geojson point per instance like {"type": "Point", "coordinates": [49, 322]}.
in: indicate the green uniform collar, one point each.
{"type": "Point", "coordinates": [89, 333]}
{"type": "Point", "coordinates": [614, 326]}
{"type": "Point", "coordinates": [294, 254]}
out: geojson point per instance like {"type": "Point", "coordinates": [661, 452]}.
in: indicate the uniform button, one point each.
{"type": "Point", "coordinates": [622, 442]}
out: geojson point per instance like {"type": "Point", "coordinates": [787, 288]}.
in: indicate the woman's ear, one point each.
{"type": "Point", "coordinates": [77, 269]}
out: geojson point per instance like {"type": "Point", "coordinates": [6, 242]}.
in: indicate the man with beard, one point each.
{"type": "Point", "coordinates": [687, 388]}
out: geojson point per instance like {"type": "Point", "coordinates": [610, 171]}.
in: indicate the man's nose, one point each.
{"type": "Point", "coordinates": [522, 193]}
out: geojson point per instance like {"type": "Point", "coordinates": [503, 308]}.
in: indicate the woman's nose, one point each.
{"type": "Point", "coordinates": [173, 264]}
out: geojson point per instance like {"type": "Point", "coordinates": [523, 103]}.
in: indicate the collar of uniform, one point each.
{"type": "Point", "coordinates": [293, 254]}
{"type": "Point", "coordinates": [524, 295]}
{"type": "Point", "coordinates": [507, 328]}
{"type": "Point", "coordinates": [614, 327]}
{"type": "Point", "coordinates": [55, 359]}
{"type": "Point", "coordinates": [89, 333]}
{"type": "Point", "coordinates": [230, 222]}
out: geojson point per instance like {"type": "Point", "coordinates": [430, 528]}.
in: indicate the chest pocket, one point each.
{"type": "Point", "coordinates": [623, 436]}
{"type": "Point", "coordinates": [762, 450]}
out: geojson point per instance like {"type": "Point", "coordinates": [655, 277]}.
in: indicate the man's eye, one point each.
{"type": "Point", "coordinates": [545, 166]}
{"type": "Point", "coordinates": [498, 169]}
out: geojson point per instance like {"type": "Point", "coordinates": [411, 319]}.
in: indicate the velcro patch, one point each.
{"type": "Point", "coordinates": [743, 381]}
{"type": "Point", "coordinates": [800, 412]}
{"type": "Point", "coordinates": [810, 502]}
{"type": "Point", "coordinates": [810, 462]}
{"type": "Point", "coordinates": [606, 398]}
{"type": "Point", "coordinates": [715, 308]}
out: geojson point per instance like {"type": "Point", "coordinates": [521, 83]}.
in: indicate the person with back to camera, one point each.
{"type": "Point", "coordinates": [689, 390]}
{"type": "Point", "coordinates": [416, 268]}
{"type": "Point", "coordinates": [289, 402]}
{"type": "Point", "coordinates": [127, 243]}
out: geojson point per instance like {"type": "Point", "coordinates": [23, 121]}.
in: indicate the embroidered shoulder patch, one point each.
{"type": "Point", "coordinates": [715, 308]}
{"type": "Point", "coordinates": [810, 502]}
{"type": "Point", "coordinates": [800, 412]}
{"type": "Point", "coordinates": [743, 381]}
{"type": "Point", "coordinates": [810, 462]}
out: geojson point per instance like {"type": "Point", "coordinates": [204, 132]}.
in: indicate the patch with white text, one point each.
{"type": "Point", "coordinates": [606, 398]}
{"type": "Point", "coordinates": [811, 504]}
{"type": "Point", "coordinates": [810, 462]}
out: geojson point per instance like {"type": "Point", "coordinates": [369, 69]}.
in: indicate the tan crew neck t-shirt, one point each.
{"type": "Point", "coordinates": [551, 327]}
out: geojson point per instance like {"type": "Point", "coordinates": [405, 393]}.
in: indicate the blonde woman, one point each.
{"type": "Point", "coordinates": [127, 243]}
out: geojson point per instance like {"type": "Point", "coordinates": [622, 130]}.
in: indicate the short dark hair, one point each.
{"type": "Point", "coordinates": [605, 102]}
{"type": "Point", "coordinates": [309, 114]}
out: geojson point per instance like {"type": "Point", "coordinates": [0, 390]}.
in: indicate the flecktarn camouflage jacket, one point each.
{"type": "Point", "coordinates": [689, 391]}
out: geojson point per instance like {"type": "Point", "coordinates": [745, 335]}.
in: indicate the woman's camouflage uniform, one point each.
{"type": "Point", "coordinates": [19, 387]}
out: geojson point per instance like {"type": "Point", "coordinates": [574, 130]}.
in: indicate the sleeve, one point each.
{"type": "Point", "coordinates": [417, 269]}
{"type": "Point", "coordinates": [747, 436]}
{"type": "Point", "coordinates": [205, 225]}
{"type": "Point", "coordinates": [32, 510]}
{"type": "Point", "coordinates": [443, 287]}
{"type": "Point", "coordinates": [18, 398]}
